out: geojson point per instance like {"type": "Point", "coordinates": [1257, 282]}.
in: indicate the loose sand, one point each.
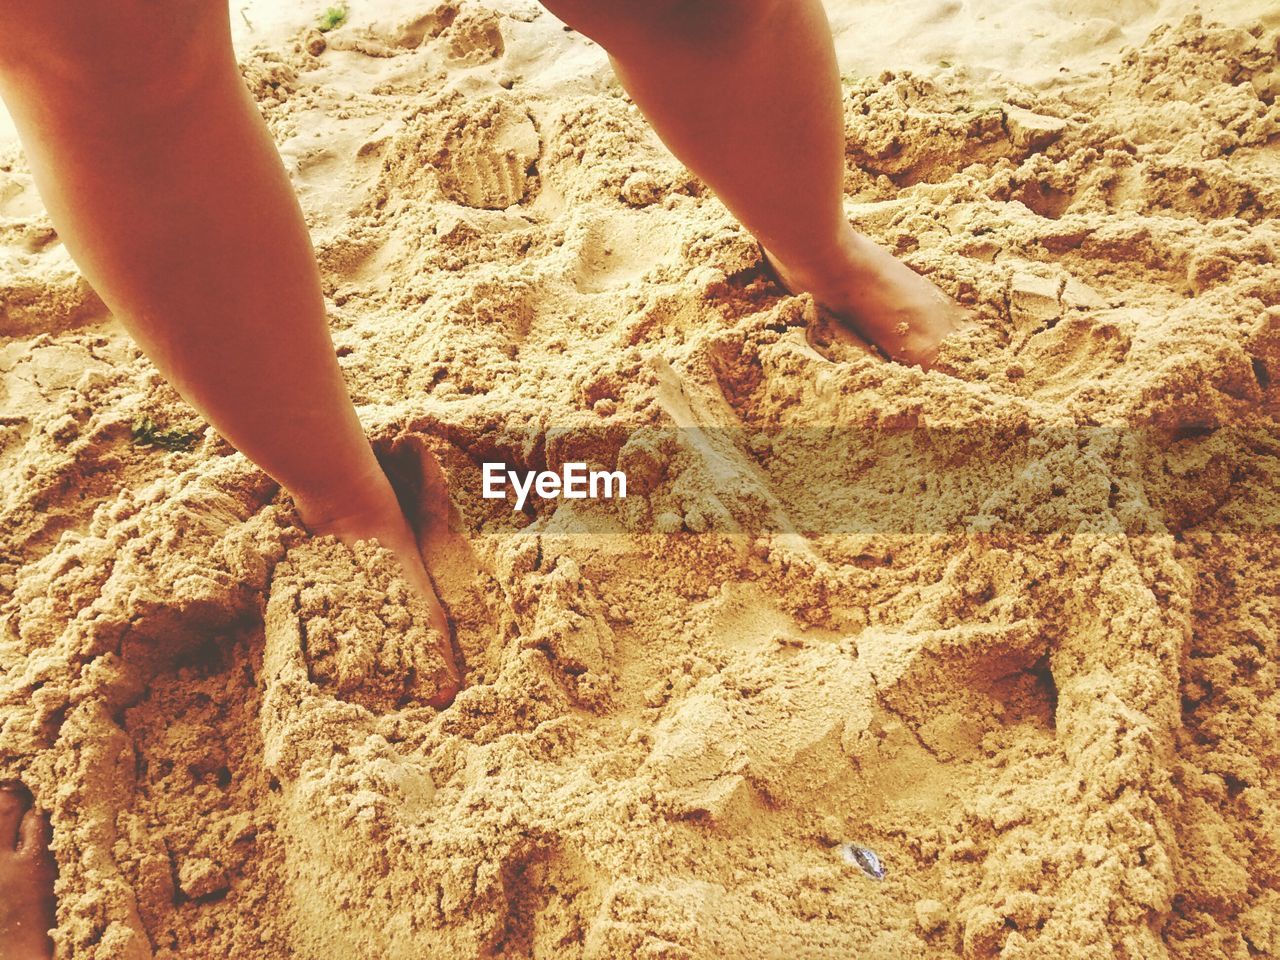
{"type": "Point", "coordinates": [1011, 625]}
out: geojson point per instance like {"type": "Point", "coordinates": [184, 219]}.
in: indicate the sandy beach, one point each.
{"type": "Point", "coordinates": [1012, 625]}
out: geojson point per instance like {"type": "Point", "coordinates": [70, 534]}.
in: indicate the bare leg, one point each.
{"type": "Point", "coordinates": [747, 94]}
{"type": "Point", "coordinates": [163, 182]}
{"type": "Point", "coordinates": [27, 872]}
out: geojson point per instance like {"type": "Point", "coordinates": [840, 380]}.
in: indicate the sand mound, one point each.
{"type": "Point", "coordinates": [1010, 626]}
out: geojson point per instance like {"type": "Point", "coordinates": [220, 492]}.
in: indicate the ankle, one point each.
{"type": "Point", "coordinates": [362, 508]}
{"type": "Point", "coordinates": [822, 270]}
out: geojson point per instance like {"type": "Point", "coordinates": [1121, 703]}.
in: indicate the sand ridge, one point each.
{"type": "Point", "coordinates": [1039, 681]}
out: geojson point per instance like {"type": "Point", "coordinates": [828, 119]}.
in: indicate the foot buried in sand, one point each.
{"type": "Point", "coordinates": [368, 636]}
{"type": "Point", "coordinates": [879, 298]}
{"type": "Point", "coordinates": [367, 554]}
{"type": "Point", "coordinates": [27, 873]}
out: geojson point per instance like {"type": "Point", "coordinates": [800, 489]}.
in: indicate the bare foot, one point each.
{"type": "Point", "coordinates": [27, 872]}
{"type": "Point", "coordinates": [879, 297]}
{"type": "Point", "coordinates": [375, 514]}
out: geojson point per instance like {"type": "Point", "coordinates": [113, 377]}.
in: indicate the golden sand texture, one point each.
{"type": "Point", "coordinates": [1010, 624]}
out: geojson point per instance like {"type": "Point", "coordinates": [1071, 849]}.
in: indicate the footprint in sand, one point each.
{"type": "Point", "coordinates": [487, 156]}
{"type": "Point", "coordinates": [475, 37]}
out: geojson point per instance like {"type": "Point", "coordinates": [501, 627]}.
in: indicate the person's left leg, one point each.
{"type": "Point", "coordinates": [747, 94]}
{"type": "Point", "coordinates": [27, 872]}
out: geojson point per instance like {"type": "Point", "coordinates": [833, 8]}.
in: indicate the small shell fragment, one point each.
{"type": "Point", "coordinates": [864, 858]}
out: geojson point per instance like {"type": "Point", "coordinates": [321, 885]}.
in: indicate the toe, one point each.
{"type": "Point", "coordinates": [34, 835]}
{"type": "Point", "coordinates": [445, 694]}
{"type": "Point", "coordinates": [14, 802]}
{"type": "Point", "coordinates": [447, 687]}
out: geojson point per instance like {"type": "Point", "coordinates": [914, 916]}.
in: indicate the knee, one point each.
{"type": "Point", "coordinates": [112, 47]}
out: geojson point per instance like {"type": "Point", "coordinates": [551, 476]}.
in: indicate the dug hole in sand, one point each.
{"type": "Point", "coordinates": [1010, 625]}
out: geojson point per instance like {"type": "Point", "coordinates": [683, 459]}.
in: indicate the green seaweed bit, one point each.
{"type": "Point", "coordinates": [148, 433]}
{"type": "Point", "coordinates": [332, 18]}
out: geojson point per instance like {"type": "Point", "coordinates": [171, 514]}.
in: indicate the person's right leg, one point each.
{"type": "Point", "coordinates": [747, 94]}
{"type": "Point", "coordinates": [163, 182]}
